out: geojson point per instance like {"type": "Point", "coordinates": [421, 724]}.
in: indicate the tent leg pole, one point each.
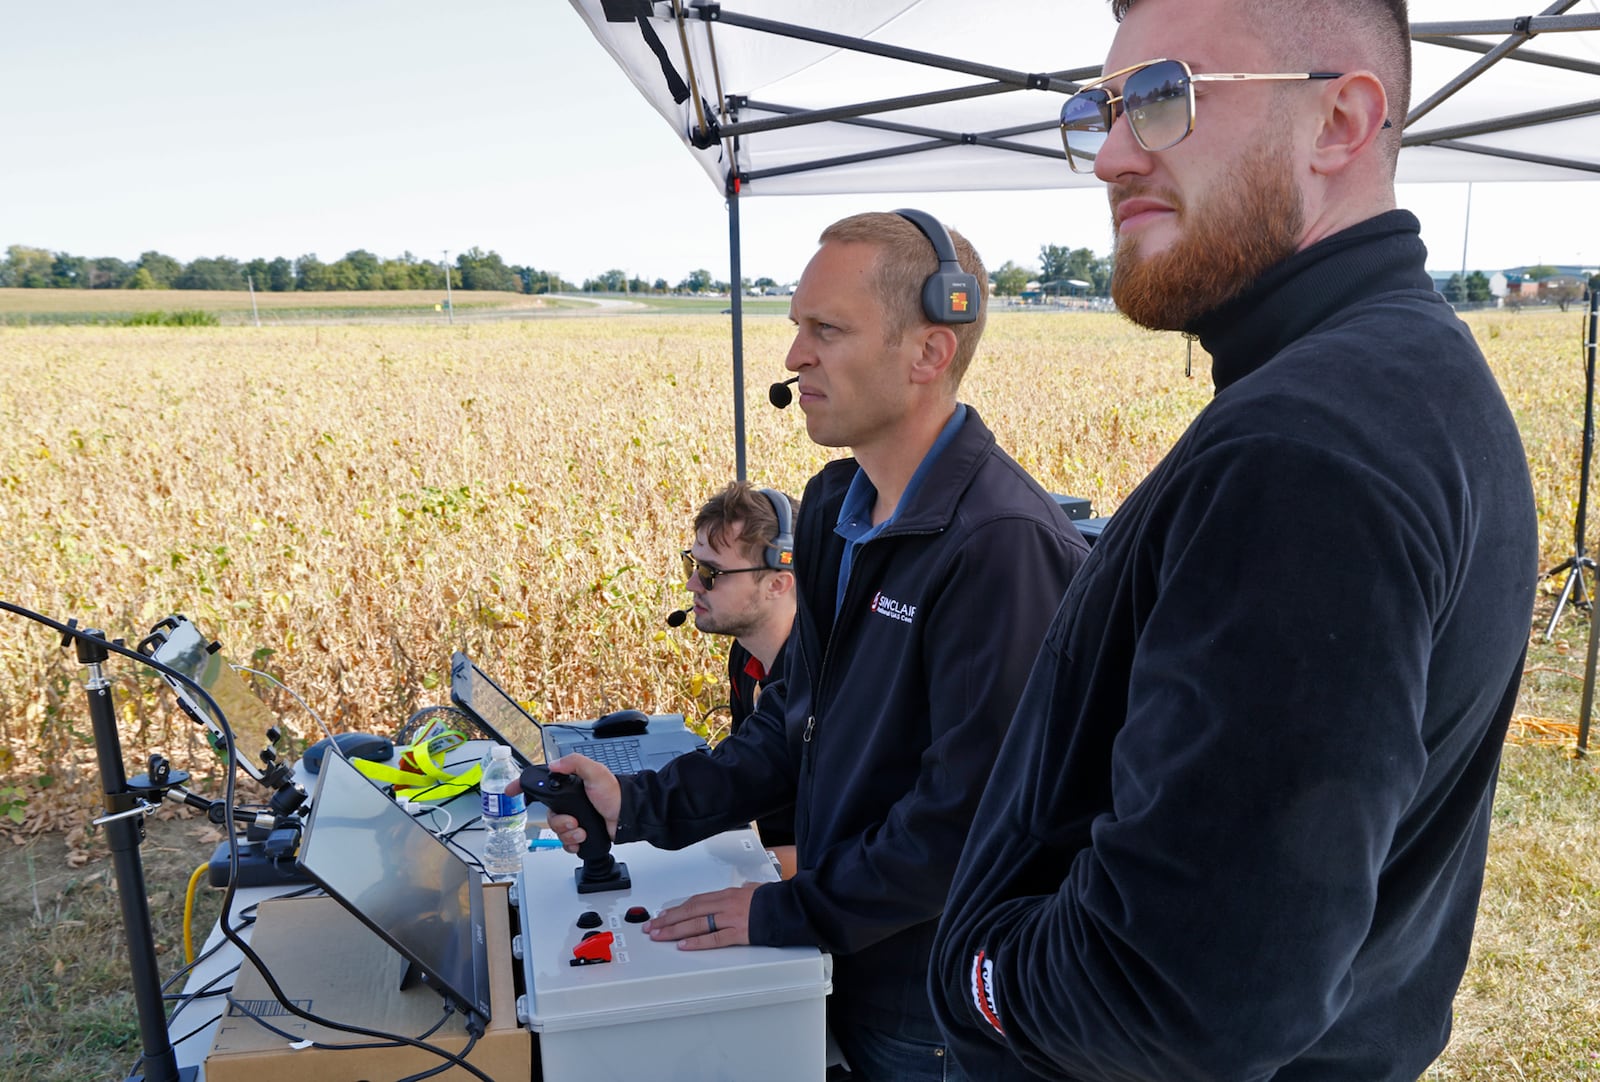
{"type": "Point", "coordinates": [735, 283]}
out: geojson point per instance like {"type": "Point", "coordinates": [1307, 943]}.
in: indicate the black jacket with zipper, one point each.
{"type": "Point", "coordinates": [884, 731]}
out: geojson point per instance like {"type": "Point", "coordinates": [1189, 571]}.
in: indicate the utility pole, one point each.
{"type": "Point", "coordinates": [449, 308]}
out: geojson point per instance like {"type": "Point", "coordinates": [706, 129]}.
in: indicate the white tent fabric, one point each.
{"type": "Point", "coordinates": [775, 97]}
{"type": "Point", "coordinates": [978, 110]}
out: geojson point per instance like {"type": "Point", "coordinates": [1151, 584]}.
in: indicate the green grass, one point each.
{"type": "Point", "coordinates": [67, 996]}
{"type": "Point", "coordinates": [102, 307]}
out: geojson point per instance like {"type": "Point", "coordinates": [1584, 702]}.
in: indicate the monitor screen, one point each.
{"type": "Point", "coordinates": [490, 706]}
{"type": "Point", "coordinates": [403, 882]}
{"type": "Point", "coordinates": [187, 651]}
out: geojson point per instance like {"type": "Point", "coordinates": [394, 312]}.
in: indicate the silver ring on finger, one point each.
{"type": "Point", "coordinates": [711, 922]}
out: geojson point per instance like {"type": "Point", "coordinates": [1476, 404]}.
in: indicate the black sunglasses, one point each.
{"type": "Point", "coordinates": [708, 575]}
{"type": "Point", "coordinates": [1158, 100]}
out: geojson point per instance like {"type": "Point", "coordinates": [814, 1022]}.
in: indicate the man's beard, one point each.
{"type": "Point", "coordinates": [1229, 240]}
{"type": "Point", "coordinates": [735, 625]}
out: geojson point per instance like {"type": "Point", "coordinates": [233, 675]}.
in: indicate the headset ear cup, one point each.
{"type": "Point", "coordinates": [779, 554]}
{"type": "Point", "coordinates": [950, 294]}
{"type": "Point", "coordinates": [950, 297]}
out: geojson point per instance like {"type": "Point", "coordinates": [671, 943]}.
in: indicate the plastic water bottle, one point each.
{"type": "Point", "coordinates": [503, 815]}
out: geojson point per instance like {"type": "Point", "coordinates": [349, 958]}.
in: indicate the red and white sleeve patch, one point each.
{"type": "Point", "coordinates": [983, 992]}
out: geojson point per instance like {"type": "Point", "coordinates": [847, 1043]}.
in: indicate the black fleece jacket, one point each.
{"type": "Point", "coordinates": [1238, 826]}
{"type": "Point", "coordinates": [883, 732]}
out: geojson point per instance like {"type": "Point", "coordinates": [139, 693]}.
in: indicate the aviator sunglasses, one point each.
{"type": "Point", "coordinates": [1158, 100]}
{"type": "Point", "coordinates": [706, 573]}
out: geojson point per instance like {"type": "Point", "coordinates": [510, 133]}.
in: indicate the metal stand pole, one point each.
{"type": "Point", "coordinates": [124, 823]}
{"type": "Point", "coordinates": [1586, 710]}
{"type": "Point", "coordinates": [1575, 565]}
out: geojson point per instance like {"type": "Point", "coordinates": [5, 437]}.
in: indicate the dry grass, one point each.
{"type": "Point", "coordinates": [360, 501]}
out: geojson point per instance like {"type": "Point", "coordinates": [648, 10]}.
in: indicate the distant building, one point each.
{"type": "Point", "coordinates": [1498, 283]}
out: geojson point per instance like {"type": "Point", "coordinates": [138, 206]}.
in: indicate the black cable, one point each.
{"type": "Point", "coordinates": [472, 1039]}
{"type": "Point", "coordinates": [229, 803]}
{"type": "Point", "coordinates": [197, 1029]}
{"type": "Point", "coordinates": [205, 955]}
{"type": "Point", "coordinates": [205, 991]}
{"type": "Point", "coordinates": [283, 999]}
{"type": "Point", "coordinates": [472, 859]}
{"type": "Point", "coordinates": [247, 917]}
{"type": "Point", "coordinates": [568, 725]}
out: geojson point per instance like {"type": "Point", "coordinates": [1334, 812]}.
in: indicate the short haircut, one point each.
{"type": "Point", "coordinates": [1374, 34]}
{"type": "Point", "coordinates": [746, 506]}
{"type": "Point", "coordinates": [905, 260]}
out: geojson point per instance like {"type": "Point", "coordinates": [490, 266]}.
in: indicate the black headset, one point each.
{"type": "Point", "coordinates": [950, 295]}
{"type": "Point", "coordinates": [779, 553]}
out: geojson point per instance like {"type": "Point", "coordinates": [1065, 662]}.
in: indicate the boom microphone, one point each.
{"type": "Point", "coordinates": [780, 395]}
{"type": "Point", "coordinates": [676, 617]}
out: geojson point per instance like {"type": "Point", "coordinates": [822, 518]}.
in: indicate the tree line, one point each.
{"type": "Point", "coordinates": [474, 269]}
{"type": "Point", "coordinates": [38, 268]}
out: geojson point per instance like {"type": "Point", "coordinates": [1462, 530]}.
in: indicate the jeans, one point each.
{"type": "Point", "coordinates": [877, 1056]}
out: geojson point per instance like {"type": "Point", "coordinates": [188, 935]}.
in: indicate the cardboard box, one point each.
{"type": "Point", "coordinates": [330, 963]}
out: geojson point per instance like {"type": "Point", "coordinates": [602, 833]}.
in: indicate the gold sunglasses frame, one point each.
{"type": "Point", "coordinates": [1114, 100]}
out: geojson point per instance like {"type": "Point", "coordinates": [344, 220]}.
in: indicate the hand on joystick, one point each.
{"type": "Point", "coordinates": [581, 826]}
{"type": "Point", "coordinates": [599, 786]}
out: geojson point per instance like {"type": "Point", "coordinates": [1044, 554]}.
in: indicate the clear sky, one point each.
{"type": "Point", "coordinates": [205, 129]}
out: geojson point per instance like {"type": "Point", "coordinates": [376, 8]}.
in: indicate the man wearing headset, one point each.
{"type": "Point", "coordinates": [741, 575]}
{"type": "Point", "coordinates": [927, 567]}
{"type": "Point", "coordinates": [1238, 826]}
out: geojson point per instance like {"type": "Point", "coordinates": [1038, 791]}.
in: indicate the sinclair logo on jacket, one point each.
{"type": "Point", "coordinates": [884, 605]}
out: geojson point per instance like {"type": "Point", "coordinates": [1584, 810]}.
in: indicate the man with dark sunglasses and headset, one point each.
{"type": "Point", "coordinates": [927, 566]}
{"type": "Point", "coordinates": [1238, 826]}
{"type": "Point", "coordinates": [740, 574]}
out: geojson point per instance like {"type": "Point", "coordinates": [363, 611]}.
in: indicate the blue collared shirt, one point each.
{"type": "Point", "coordinates": [855, 514]}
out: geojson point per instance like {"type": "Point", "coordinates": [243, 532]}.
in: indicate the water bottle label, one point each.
{"type": "Point", "coordinates": [498, 805]}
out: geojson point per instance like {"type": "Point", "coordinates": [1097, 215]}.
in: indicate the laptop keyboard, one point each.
{"type": "Point", "coordinates": [619, 755]}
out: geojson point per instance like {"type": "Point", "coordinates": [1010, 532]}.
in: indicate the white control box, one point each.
{"type": "Point", "coordinates": [654, 1011]}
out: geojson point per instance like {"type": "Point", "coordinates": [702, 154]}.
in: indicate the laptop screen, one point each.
{"type": "Point", "coordinates": [404, 883]}
{"type": "Point", "coordinates": [473, 691]}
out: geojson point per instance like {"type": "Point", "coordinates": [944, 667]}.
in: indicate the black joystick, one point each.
{"type": "Point", "coordinates": [563, 793]}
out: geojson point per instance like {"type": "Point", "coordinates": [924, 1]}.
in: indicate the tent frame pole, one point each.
{"type": "Point", "coordinates": [736, 292]}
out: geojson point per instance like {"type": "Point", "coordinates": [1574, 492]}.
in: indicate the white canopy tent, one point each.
{"type": "Point", "coordinates": [837, 96]}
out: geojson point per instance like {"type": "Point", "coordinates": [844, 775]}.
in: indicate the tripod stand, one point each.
{"type": "Point", "coordinates": [126, 806]}
{"type": "Point", "coordinates": [1573, 588]}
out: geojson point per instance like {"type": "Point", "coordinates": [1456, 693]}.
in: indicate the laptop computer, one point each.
{"type": "Point", "coordinates": [503, 717]}
{"type": "Point", "coordinates": [402, 882]}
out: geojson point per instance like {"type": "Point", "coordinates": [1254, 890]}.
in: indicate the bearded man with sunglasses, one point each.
{"type": "Point", "coordinates": [1238, 826]}
{"type": "Point", "coordinates": [927, 567]}
{"type": "Point", "coordinates": [739, 575]}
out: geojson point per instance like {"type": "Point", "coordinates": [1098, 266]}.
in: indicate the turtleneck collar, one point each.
{"type": "Point", "coordinates": [1381, 254]}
